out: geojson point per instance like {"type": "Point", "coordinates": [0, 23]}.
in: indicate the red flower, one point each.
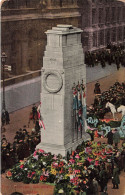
{"type": "Point", "coordinates": [98, 144]}
{"type": "Point", "coordinates": [41, 151]}
{"type": "Point", "coordinates": [77, 156]}
{"type": "Point", "coordinates": [72, 161]}
{"type": "Point", "coordinates": [61, 164]}
{"type": "Point", "coordinates": [21, 166]}
{"type": "Point", "coordinates": [43, 178]}
{"type": "Point", "coordinates": [9, 174]}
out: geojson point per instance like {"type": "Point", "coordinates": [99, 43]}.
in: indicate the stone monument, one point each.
{"type": "Point", "coordinates": [63, 65]}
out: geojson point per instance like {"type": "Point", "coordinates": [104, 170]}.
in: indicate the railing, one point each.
{"type": "Point", "coordinates": [22, 77]}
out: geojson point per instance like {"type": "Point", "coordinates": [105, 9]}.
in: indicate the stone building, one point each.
{"type": "Point", "coordinates": [25, 21]}
{"type": "Point", "coordinates": [102, 21]}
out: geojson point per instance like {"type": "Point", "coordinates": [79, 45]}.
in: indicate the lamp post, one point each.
{"type": "Point", "coordinates": [3, 61]}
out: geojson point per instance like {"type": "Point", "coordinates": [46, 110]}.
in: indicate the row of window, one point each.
{"type": "Point", "coordinates": [108, 15]}
{"type": "Point", "coordinates": [102, 37]}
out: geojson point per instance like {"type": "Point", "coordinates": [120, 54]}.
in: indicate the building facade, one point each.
{"type": "Point", "coordinates": [23, 26]}
{"type": "Point", "coordinates": [103, 21]}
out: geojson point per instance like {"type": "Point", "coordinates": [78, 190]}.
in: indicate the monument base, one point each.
{"type": "Point", "coordinates": [63, 149]}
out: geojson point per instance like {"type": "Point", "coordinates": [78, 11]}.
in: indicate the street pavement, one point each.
{"type": "Point", "coordinates": [21, 117]}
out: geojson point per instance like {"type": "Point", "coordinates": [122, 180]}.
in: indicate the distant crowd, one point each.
{"type": "Point", "coordinates": [113, 54]}
{"type": "Point", "coordinates": [115, 95]}
{"type": "Point", "coordinates": [23, 146]}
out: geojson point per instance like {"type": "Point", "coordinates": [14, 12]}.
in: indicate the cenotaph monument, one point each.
{"type": "Point", "coordinates": [63, 65]}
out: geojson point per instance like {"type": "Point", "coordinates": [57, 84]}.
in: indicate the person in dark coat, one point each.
{"type": "Point", "coordinates": [116, 138]}
{"type": "Point", "coordinates": [25, 149]}
{"type": "Point", "coordinates": [115, 177]}
{"type": "Point", "coordinates": [103, 178]}
{"type": "Point", "coordinates": [7, 117]}
{"type": "Point", "coordinates": [95, 190]}
{"type": "Point", "coordinates": [97, 88]}
{"type": "Point", "coordinates": [3, 119]}
{"type": "Point", "coordinates": [34, 111]}
{"type": "Point", "coordinates": [19, 150]}
{"type": "Point", "coordinates": [110, 138]}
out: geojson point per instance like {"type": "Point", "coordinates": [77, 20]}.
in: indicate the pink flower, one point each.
{"type": "Point", "coordinates": [76, 171]}
{"type": "Point", "coordinates": [29, 175]}
{"type": "Point", "coordinates": [41, 151]}
{"type": "Point", "coordinates": [34, 154]}
{"type": "Point", "coordinates": [45, 154]}
{"type": "Point", "coordinates": [55, 158]}
{"type": "Point", "coordinates": [90, 159]}
{"type": "Point", "coordinates": [21, 166]}
{"type": "Point", "coordinates": [77, 156]}
{"type": "Point", "coordinates": [72, 161]}
{"type": "Point", "coordinates": [96, 163]}
{"type": "Point", "coordinates": [55, 164]}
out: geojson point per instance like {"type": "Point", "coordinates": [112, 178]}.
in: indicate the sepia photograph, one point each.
{"type": "Point", "coordinates": [62, 97]}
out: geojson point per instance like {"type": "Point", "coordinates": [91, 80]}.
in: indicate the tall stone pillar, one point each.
{"type": "Point", "coordinates": [63, 65]}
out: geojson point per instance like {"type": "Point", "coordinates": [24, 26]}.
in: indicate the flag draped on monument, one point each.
{"type": "Point", "coordinates": [79, 104]}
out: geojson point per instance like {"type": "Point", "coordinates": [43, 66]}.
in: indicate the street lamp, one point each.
{"type": "Point", "coordinates": [3, 61]}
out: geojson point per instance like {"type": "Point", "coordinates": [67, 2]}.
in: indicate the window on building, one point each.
{"type": "Point", "coordinates": [101, 37]}
{"type": "Point", "coordinates": [124, 33]}
{"type": "Point", "coordinates": [113, 34]}
{"type": "Point", "coordinates": [60, 3]}
{"type": "Point", "coordinates": [100, 15]}
{"type": "Point", "coordinates": [85, 39]}
{"type": "Point", "coordinates": [107, 16]}
{"type": "Point", "coordinates": [113, 14]}
{"type": "Point", "coordinates": [108, 37]}
{"type": "Point", "coordinates": [119, 34]}
{"type": "Point", "coordinates": [93, 16]}
{"type": "Point", "coordinates": [94, 39]}
{"type": "Point", "coordinates": [123, 14]}
{"type": "Point", "coordinates": [118, 14]}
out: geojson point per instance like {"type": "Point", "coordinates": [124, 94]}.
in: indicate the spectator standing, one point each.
{"type": "Point", "coordinates": [34, 111]}
{"type": "Point", "coordinates": [116, 138]}
{"type": "Point", "coordinates": [103, 178]}
{"type": "Point", "coordinates": [97, 88]}
{"type": "Point", "coordinates": [7, 117]}
{"type": "Point", "coordinates": [110, 138]}
{"type": "Point", "coordinates": [115, 177]}
{"type": "Point", "coordinates": [95, 187]}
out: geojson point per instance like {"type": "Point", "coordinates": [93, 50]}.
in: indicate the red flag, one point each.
{"type": "Point", "coordinates": [84, 95]}
{"type": "Point", "coordinates": [38, 115]}
{"type": "Point", "coordinates": [41, 124]}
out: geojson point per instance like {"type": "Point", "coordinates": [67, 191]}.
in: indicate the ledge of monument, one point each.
{"type": "Point", "coordinates": [64, 26]}
{"type": "Point", "coordinates": [64, 31]}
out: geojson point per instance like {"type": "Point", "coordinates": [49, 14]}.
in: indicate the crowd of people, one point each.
{"type": "Point", "coordinates": [23, 146]}
{"type": "Point", "coordinates": [115, 95]}
{"type": "Point", "coordinates": [97, 176]}
{"type": "Point", "coordinates": [25, 143]}
{"type": "Point", "coordinates": [112, 54]}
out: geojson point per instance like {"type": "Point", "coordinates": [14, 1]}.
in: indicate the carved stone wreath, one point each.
{"type": "Point", "coordinates": [58, 76]}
